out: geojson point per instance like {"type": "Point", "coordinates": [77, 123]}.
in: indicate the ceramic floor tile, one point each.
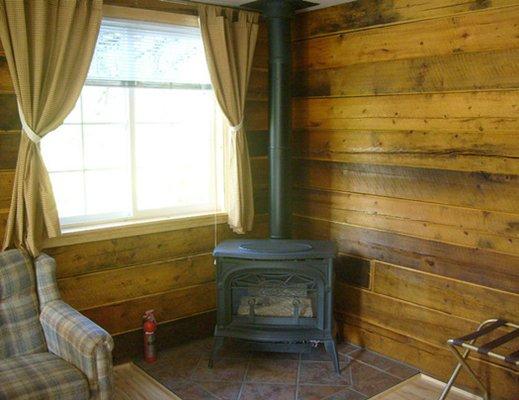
{"type": "Point", "coordinates": [370, 381]}
{"type": "Point", "coordinates": [402, 371]}
{"type": "Point", "coordinates": [224, 369]}
{"type": "Point", "coordinates": [388, 365]}
{"type": "Point", "coordinates": [222, 390]}
{"type": "Point", "coordinates": [321, 392]}
{"type": "Point", "coordinates": [266, 391]}
{"type": "Point", "coordinates": [372, 358]}
{"type": "Point", "coordinates": [190, 391]}
{"type": "Point", "coordinates": [322, 372]}
{"type": "Point", "coordinates": [272, 371]}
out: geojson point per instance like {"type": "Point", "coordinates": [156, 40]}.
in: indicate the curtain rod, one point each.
{"type": "Point", "coordinates": [193, 3]}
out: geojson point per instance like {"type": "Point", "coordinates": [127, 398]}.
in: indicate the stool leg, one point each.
{"type": "Point", "coordinates": [464, 364]}
{"type": "Point", "coordinates": [453, 377]}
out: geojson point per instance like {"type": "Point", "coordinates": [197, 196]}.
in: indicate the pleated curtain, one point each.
{"type": "Point", "coordinates": [229, 38]}
{"type": "Point", "coordinates": [49, 45]}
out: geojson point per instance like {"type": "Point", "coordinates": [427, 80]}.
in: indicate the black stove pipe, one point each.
{"type": "Point", "coordinates": [280, 124]}
{"type": "Point", "coordinates": [279, 14]}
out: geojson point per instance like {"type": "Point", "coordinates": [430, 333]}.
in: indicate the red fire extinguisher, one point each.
{"type": "Point", "coordinates": [149, 326]}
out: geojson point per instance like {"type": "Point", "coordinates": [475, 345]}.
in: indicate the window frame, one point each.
{"type": "Point", "coordinates": [154, 219]}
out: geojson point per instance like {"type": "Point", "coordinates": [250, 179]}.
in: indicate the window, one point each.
{"type": "Point", "coordinates": [143, 140]}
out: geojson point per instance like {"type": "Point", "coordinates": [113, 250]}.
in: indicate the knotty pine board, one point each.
{"type": "Point", "coordinates": [451, 296]}
{"type": "Point", "coordinates": [476, 111]}
{"type": "Point", "coordinates": [113, 285]}
{"type": "Point", "coordinates": [491, 30]}
{"type": "Point", "coordinates": [371, 13]}
{"type": "Point", "coordinates": [459, 71]}
{"type": "Point", "coordinates": [480, 191]}
{"type": "Point", "coordinates": [455, 225]}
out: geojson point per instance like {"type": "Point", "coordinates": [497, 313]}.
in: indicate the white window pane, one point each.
{"type": "Point", "coordinates": [69, 193]}
{"type": "Point", "coordinates": [104, 104]}
{"type": "Point", "coordinates": [107, 191]}
{"type": "Point", "coordinates": [168, 105]}
{"type": "Point", "coordinates": [162, 189]}
{"type": "Point", "coordinates": [61, 149]}
{"type": "Point", "coordinates": [106, 146]}
{"type": "Point", "coordinates": [175, 166]}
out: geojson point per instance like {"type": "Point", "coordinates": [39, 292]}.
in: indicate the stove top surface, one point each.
{"type": "Point", "coordinates": [275, 249]}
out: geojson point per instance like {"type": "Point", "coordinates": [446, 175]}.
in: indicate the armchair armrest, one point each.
{"type": "Point", "coordinates": [76, 339]}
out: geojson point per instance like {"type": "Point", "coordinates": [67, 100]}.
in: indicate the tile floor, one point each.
{"type": "Point", "coordinates": [239, 374]}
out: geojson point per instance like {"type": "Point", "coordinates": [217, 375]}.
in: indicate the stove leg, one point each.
{"type": "Point", "coordinates": [329, 345]}
{"type": "Point", "coordinates": [217, 345]}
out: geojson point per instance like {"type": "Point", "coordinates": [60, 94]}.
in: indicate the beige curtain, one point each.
{"type": "Point", "coordinates": [49, 46]}
{"type": "Point", "coordinates": [229, 38]}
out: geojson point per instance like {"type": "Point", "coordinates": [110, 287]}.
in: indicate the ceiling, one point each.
{"type": "Point", "coordinates": [236, 3]}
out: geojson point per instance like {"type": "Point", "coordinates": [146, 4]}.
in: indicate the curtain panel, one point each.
{"type": "Point", "coordinates": [49, 45]}
{"type": "Point", "coordinates": [229, 38]}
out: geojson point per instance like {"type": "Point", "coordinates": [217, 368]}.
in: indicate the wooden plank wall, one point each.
{"type": "Point", "coordinates": [115, 281]}
{"type": "Point", "coordinates": [406, 129]}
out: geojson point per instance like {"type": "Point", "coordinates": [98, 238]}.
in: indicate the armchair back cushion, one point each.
{"type": "Point", "coordinates": [20, 329]}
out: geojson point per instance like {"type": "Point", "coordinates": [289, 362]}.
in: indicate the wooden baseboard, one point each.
{"type": "Point", "coordinates": [130, 345]}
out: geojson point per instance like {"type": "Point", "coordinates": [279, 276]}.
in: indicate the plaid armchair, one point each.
{"type": "Point", "coordinates": [48, 350]}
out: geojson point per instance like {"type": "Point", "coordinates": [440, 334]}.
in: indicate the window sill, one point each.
{"type": "Point", "coordinates": [117, 230]}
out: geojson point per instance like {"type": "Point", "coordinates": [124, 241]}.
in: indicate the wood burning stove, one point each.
{"type": "Point", "coordinates": [277, 293]}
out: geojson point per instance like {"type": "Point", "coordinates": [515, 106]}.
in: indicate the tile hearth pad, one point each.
{"type": "Point", "coordinates": [239, 374]}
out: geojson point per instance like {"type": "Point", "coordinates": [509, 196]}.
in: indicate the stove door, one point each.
{"type": "Point", "coordinates": [283, 294]}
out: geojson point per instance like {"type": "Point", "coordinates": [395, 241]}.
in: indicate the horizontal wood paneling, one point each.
{"type": "Point", "coordinates": [256, 115]}
{"type": "Point", "coordinates": [180, 303]}
{"type": "Point", "coordinates": [419, 322]}
{"type": "Point", "coordinates": [494, 270]}
{"type": "Point", "coordinates": [454, 297]}
{"type": "Point", "coordinates": [461, 226]}
{"type": "Point", "coordinates": [157, 5]}
{"type": "Point", "coordinates": [6, 187]}
{"type": "Point", "coordinates": [369, 13]}
{"type": "Point", "coordinates": [92, 289]}
{"type": "Point", "coordinates": [415, 161]}
{"type": "Point", "coordinates": [85, 258]}
{"type": "Point", "coordinates": [258, 84]}
{"type": "Point", "coordinates": [493, 153]}
{"type": "Point", "coordinates": [458, 71]}
{"type": "Point", "coordinates": [492, 30]}
{"type": "Point", "coordinates": [258, 142]}
{"type": "Point", "coordinates": [9, 143]}
{"type": "Point", "coordinates": [490, 192]}
{"type": "Point", "coordinates": [493, 112]}
{"type": "Point", "coordinates": [6, 84]}
{"type": "Point", "coordinates": [9, 120]}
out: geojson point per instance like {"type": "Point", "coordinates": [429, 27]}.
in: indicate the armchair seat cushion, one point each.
{"type": "Point", "coordinates": [41, 376]}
